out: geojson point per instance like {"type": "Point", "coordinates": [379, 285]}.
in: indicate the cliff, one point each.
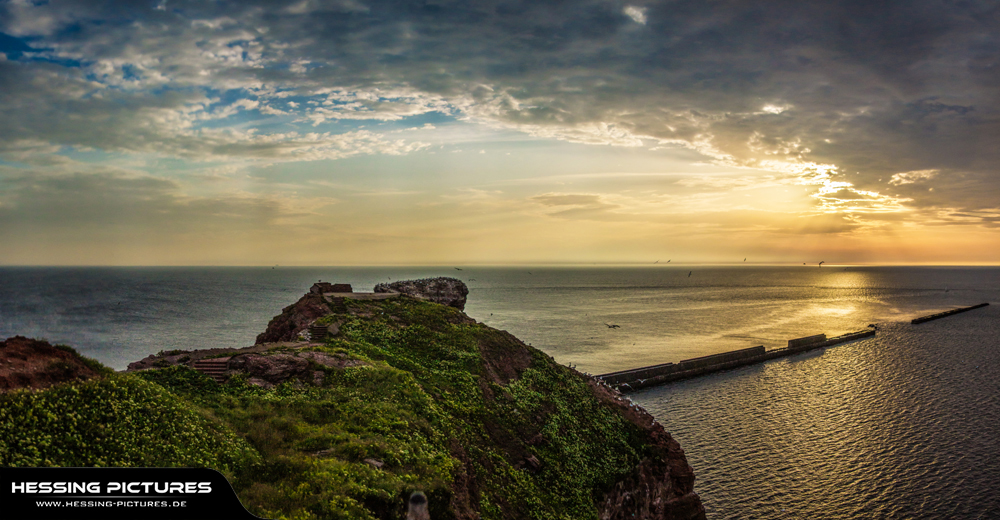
{"type": "Point", "coordinates": [295, 318]}
{"type": "Point", "coordinates": [413, 395]}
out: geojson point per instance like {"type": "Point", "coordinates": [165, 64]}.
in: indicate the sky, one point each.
{"type": "Point", "coordinates": [359, 132]}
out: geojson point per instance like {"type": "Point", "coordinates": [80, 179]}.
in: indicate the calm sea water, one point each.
{"type": "Point", "coordinates": [903, 425]}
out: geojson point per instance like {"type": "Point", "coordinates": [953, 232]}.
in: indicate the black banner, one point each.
{"type": "Point", "coordinates": [113, 493]}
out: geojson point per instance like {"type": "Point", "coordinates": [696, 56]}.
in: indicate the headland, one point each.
{"type": "Point", "coordinates": [350, 402]}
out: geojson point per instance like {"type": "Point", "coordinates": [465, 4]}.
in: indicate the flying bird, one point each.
{"type": "Point", "coordinates": [656, 262]}
{"type": "Point", "coordinates": [821, 263]}
{"type": "Point", "coordinates": [613, 326]}
{"type": "Point", "coordinates": [689, 273]}
{"type": "Point", "coordinates": [744, 259]}
{"type": "Point", "coordinates": [457, 269]}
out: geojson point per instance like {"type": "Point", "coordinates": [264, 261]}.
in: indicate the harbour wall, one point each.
{"type": "Point", "coordinates": [642, 377]}
{"type": "Point", "coordinates": [634, 379]}
{"type": "Point", "coordinates": [944, 314]}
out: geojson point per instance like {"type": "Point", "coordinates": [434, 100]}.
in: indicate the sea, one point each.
{"type": "Point", "coordinates": [905, 424]}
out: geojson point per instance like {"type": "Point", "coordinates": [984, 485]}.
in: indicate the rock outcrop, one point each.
{"type": "Point", "coordinates": [327, 287]}
{"type": "Point", "coordinates": [446, 291]}
{"type": "Point", "coordinates": [30, 363]}
{"type": "Point", "coordinates": [268, 370]}
{"type": "Point", "coordinates": [294, 319]}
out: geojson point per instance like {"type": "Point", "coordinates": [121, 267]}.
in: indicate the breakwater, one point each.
{"type": "Point", "coordinates": [642, 377]}
{"type": "Point", "coordinates": [945, 314]}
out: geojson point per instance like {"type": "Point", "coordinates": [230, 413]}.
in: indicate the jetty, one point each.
{"type": "Point", "coordinates": [642, 377]}
{"type": "Point", "coordinates": [945, 314]}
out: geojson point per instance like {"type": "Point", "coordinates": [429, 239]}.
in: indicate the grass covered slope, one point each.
{"type": "Point", "coordinates": [421, 398]}
{"type": "Point", "coordinates": [115, 421]}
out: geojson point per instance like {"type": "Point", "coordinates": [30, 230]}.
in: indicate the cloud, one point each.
{"type": "Point", "coordinates": [871, 88]}
{"type": "Point", "coordinates": [557, 199]}
{"type": "Point", "coordinates": [42, 105]}
{"type": "Point", "coordinates": [636, 13]}
{"type": "Point", "coordinates": [911, 177]}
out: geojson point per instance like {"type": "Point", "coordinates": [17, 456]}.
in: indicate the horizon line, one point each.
{"type": "Point", "coordinates": [524, 264]}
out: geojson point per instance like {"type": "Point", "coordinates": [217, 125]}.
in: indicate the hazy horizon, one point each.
{"type": "Point", "coordinates": [452, 265]}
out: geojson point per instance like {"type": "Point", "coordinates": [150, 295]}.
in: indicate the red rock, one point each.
{"type": "Point", "coordinates": [29, 363]}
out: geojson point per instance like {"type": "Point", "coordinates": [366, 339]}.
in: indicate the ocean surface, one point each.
{"type": "Point", "coordinates": [902, 425]}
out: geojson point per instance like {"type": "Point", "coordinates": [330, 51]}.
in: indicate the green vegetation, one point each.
{"type": "Point", "coordinates": [441, 404]}
{"type": "Point", "coordinates": [93, 364]}
{"type": "Point", "coordinates": [119, 420]}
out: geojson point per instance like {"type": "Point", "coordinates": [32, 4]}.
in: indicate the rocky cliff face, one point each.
{"type": "Point", "coordinates": [270, 369]}
{"type": "Point", "coordinates": [294, 319]}
{"type": "Point", "coordinates": [661, 486]}
{"type": "Point", "coordinates": [446, 291]}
